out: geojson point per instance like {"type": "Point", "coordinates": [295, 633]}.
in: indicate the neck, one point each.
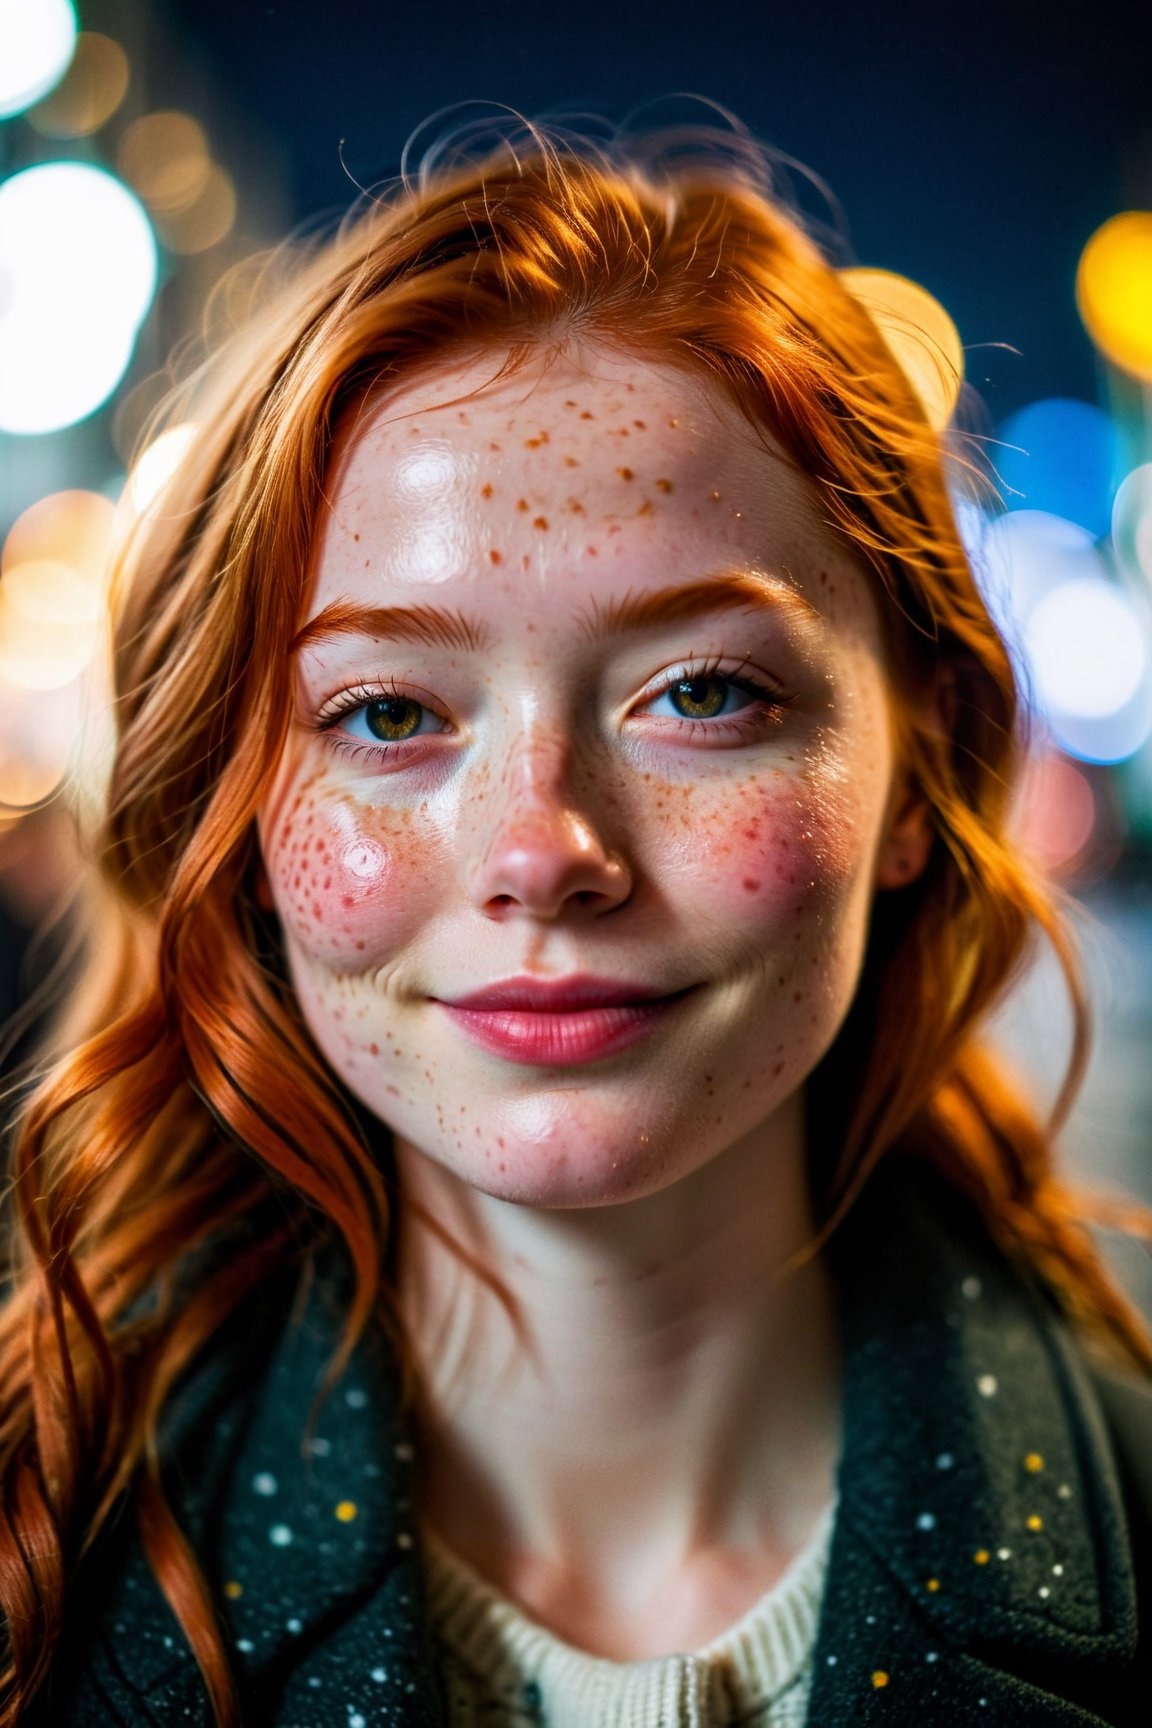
{"type": "Point", "coordinates": [654, 1395]}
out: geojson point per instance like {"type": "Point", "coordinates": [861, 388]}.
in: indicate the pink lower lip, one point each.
{"type": "Point", "coordinates": [561, 1040]}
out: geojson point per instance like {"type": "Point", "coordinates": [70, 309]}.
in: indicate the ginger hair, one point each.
{"type": "Point", "coordinates": [165, 1115]}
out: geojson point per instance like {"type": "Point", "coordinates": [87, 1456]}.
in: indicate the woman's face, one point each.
{"type": "Point", "coordinates": [590, 783]}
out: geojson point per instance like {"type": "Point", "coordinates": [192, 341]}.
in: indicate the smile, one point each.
{"type": "Point", "coordinates": [560, 1023]}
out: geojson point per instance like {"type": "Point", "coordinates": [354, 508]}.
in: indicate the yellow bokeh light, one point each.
{"type": "Point", "coordinates": [918, 333]}
{"type": "Point", "coordinates": [25, 783]}
{"type": "Point", "coordinates": [165, 157]}
{"type": "Point", "coordinates": [94, 87]}
{"type": "Point", "coordinates": [73, 528]}
{"type": "Point", "coordinates": [49, 626]}
{"type": "Point", "coordinates": [50, 594]}
{"type": "Point", "coordinates": [155, 465]}
{"type": "Point", "coordinates": [1114, 291]}
{"type": "Point", "coordinates": [203, 223]}
{"type": "Point", "coordinates": [38, 741]}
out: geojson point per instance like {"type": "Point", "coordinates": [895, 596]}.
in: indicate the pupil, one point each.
{"type": "Point", "coordinates": [703, 697]}
{"type": "Point", "coordinates": [392, 718]}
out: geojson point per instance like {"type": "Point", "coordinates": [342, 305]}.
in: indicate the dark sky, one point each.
{"type": "Point", "coordinates": [974, 149]}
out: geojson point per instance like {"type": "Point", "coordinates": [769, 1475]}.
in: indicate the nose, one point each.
{"type": "Point", "coordinates": [540, 852]}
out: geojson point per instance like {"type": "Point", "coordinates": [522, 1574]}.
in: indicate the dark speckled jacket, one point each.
{"type": "Point", "coordinates": [983, 1568]}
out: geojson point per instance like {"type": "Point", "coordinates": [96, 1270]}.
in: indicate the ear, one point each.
{"type": "Point", "coordinates": [906, 844]}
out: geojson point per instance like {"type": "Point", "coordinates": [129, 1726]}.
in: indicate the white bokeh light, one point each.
{"type": "Point", "coordinates": [1132, 521]}
{"type": "Point", "coordinates": [37, 41]}
{"type": "Point", "coordinates": [1087, 650]}
{"type": "Point", "coordinates": [78, 263]}
{"type": "Point", "coordinates": [155, 466]}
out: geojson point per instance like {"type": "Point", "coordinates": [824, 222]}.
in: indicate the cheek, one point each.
{"type": "Point", "coordinates": [784, 844]}
{"type": "Point", "coordinates": [346, 881]}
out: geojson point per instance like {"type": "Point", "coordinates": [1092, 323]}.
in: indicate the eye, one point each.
{"type": "Point", "coordinates": [386, 719]}
{"type": "Point", "coordinates": [389, 719]}
{"type": "Point", "coordinates": [708, 696]}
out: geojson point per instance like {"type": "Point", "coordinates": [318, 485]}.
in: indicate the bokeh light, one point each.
{"type": "Point", "coordinates": [919, 333]}
{"type": "Point", "coordinates": [1060, 456]}
{"type": "Point", "coordinates": [39, 735]}
{"type": "Point", "coordinates": [204, 222]}
{"type": "Point", "coordinates": [1114, 291]}
{"type": "Point", "coordinates": [1132, 521]}
{"type": "Point", "coordinates": [54, 575]}
{"type": "Point", "coordinates": [1020, 556]}
{"type": "Point", "coordinates": [155, 465]}
{"type": "Point", "coordinates": [1087, 649]}
{"type": "Point", "coordinates": [73, 528]}
{"type": "Point", "coordinates": [1056, 813]}
{"type": "Point", "coordinates": [79, 262]}
{"type": "Point", "coordinates": [37, 39]}
{"type": "Point", "coordinates": [95, 85]}
{"type": "Point", "coordinates": [165, 157]}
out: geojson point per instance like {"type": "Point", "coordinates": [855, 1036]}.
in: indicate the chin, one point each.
{"type": "Point", "coordinates": [547, 1151]}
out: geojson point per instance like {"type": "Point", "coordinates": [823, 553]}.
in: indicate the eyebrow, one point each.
{"type": "Point", "coordinates": [430, 624]}
{"type": "Point", "coordinates": [728, 592]}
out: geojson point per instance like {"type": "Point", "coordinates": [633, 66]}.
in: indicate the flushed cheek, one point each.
{"type": "Point", "coordinates": [776, 843]}
{"type": "Point", "coordinates": [346, 882]}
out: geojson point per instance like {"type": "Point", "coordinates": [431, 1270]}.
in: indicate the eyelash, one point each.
{"type": "Point", "coordinates": [764, 711]}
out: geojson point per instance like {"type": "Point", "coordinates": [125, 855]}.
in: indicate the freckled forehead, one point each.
{"type": "Point", "coordinates": [597, 470]}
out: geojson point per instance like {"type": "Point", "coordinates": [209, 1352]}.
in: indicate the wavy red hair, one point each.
{"type": "Point", "coordinates": [164, 1117]}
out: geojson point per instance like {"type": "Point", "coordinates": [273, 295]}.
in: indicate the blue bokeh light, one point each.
{"type": "Point", "coordinates": [1061, 456]}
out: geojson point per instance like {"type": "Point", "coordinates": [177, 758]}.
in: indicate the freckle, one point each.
{"type": "Point", "coordinates": [641, 425]}
{"type": "Point", "coordinates": [392, 1091]}
{"type": "Point", "coordinates": [533, 443]}
{"type": "Point", "coordinates": [462, 419]}
{"type": "Point", "coordinates": [646, 508]}
{"type": "Point", "coordinates": [571, 462]}
{"type": "Point", "coordinates": [525, 562]}
{"type": "Point", "coordinates": [568, 404]}
{"type": "Point", "coordinates": [367, 563]}
{"type": "Point", "coordinates": [485, 491]}
{"type": "Point", "coordinates": [575, 507]}
{"type": "Point", "coordinates": [779, 1069]}
{"type": "Point", "coordinates": [521, 503]}
{"type": "Point", "coordinates": [663, 485]}
{"type": "Point", "coordinates": [626, 473]}
{"type": "Point", "coordinates": [540, 522]}
{"type": "Point", "coordinates": [356, 537]}
{"type": "Point", "coordinates": [584, 415]}
{"type": "Point", "coordinates": [494, 556]}
{"type": "Point", "coordinates": [622, 432]}
{"type": "Point", "coordinates": [495, 447]}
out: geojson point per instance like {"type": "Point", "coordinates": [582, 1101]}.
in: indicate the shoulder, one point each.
{"type": "Point", "coordinates": [984, 1526]}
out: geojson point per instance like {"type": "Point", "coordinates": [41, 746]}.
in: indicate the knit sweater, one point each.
{"type": "Point", "coordinates": [499, 1666]}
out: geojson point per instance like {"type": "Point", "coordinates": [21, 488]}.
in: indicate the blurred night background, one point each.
{"type": "Point", "coordinates": [988, 169]}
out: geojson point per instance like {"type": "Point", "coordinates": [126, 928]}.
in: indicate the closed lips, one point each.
{"type": "Point", "coordinates": [570, 996]}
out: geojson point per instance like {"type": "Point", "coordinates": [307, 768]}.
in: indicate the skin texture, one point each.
{"type": "Point", "coordinates": [661, 1424]}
